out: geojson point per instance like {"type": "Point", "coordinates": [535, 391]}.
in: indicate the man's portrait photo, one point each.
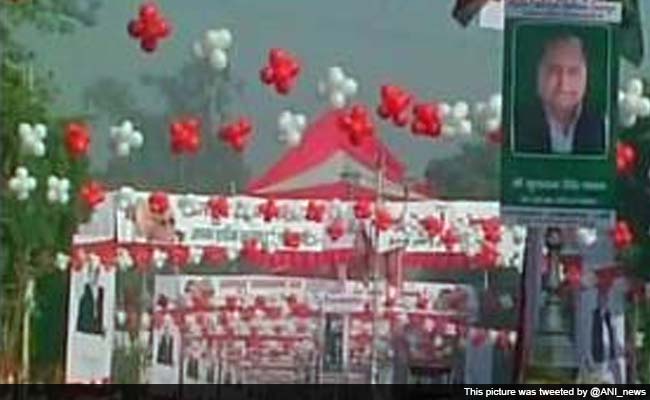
{"type": "Point", "coordinates": [560, 91]}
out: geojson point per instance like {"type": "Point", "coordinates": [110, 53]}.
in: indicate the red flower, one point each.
{"type": "Point", "coordinates": [394, 103]}
{"type": "Point", "coordinates": [77, 139]}
{"type": "Point", "coordinates": [315, 211]}
{"type": "Point", "coordinates": [357, 124]}
{"type": "Point", "coordinates": [93, 193]}
{"type": "Point", "coordinates": [218, 207]}
{"type": "Point", "coordinates": [281, 71]}
{"type": "Point", "coordinates": [158, 202]}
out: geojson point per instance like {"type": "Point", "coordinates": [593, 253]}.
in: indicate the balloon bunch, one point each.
{"type": "Point", "coordinates": [622, 235]}
{"type": "Point", "coordinates": [633, 105]}
{"type": "Point", "coordinates": [487, 116]}
{"type": "Point", "coordinates": [427, 120]}
{"type": "Point", "coordinates": [291, 127]}
{"type": "Point", "coordinates": [237, 134]}
{"type": "Point", "coordinates": [185, 135]}
{"type": "Point", "coordinates": [125, 138]}
{"type": "Point", "coordinates": [57, 190]}
{"type": "Point", "coordinates": [337, 87]}
{"type": "Point", "coordinates": [214, 48]}
{"type": "Point", "coordinates": [93, 194]}
{"type": "Point", "coordinates": [626, 158]}
{"type": "Point", "coordinates": [281, 72]}
{"type": "Point", "coordinates": [77, 139]}
{"type": "Point", "coordinates": [150, 27]}
{"type": "Point", "coordinates": [394, 104]}
{"type": "Point", "coordinates": [356, 122]}
{"type": "Point", "coordinates": [456, 120]}
{"type": "Point", "coordinates": [22, 183]}
{"type": "Point", "coordinates": [31, 139]}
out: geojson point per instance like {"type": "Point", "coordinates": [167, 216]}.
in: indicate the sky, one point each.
{"type": "Point", "coordinates": [415, 44]}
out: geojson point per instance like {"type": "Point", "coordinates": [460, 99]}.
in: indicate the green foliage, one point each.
{"type": "Point", "coordinates": [471, 175]}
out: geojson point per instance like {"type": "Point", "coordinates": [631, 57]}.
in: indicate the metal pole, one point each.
{"type": "Point", "coordinates": [375, 280]}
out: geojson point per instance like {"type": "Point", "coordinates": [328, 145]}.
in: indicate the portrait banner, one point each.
{"type": "Point", "coordinates": [90, 325]}
{"type": "Point", "coordinates": [560, 113]}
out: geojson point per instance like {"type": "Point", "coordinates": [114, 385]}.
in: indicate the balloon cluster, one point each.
{"type": "Point", "coordinates": [337, 87]}
{"type": "Point", "coordinates": [394, 104]}
{"type": "Point", "coordinates": [456, 120]}
{"type": "Point", "coordinates": [626, 158]}
{"type": "Point", "coordinates": [57, 190]}
{"type": "Point", "coordinates": [633, 105]}
{"type": "Point", "coordinates": [158, 203]}
{"type": "Point", "coordinates": [125, 138]}
{"type": "Point", "coordinates": [93, 194]}
{"type": "Point", "coordinates": [22, 183]}
{"type": "Point", "coordinates": [185, 135]}
{"type": "Point", "coordinates": [427, 120]}
{"type": "Point", "coordinates": [487, 116]}
{"type": "Point", "coordinates": [291, 127]}
{"type": "Point", "coordinates": [281, 72]}
{"type": "Point", "coordinates": [237, 134]}
{"type": "Point", "coordinates": [622, 234]}
{"type": "Point", "coordinates": [214, 48]}
{"type": "Point", "coordinates": [31, 139]}
{"type": "Point", "coordinates": [357, 123]}
{"type": "Point", "coordinates": [77, 139]}
{"type": "Point", "coordinates": [150, 27]}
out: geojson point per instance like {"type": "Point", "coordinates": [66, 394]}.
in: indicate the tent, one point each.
{"type": "Point", "coordinates": [326, 165]}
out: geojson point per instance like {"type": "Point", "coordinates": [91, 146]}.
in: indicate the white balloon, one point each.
{"type": "Point", "coordinates": [465, 127]}
{"type": "Point", "coordinates": [52, 196]}
{"type": "Point", "coordinates": [621, 96]}
{"type": "Point", "coordinates": [197, 49]}
{"type": "Point", "coordinates": [301, 121]}
{"type": "Point", "coordinates": [493, 124]}
{"type": "Point", "coordinates": [350, 87]}
{"type": "Point", "coordinates": [336, 76]}
{"type": "Point", "coordinates": [643, 107]}
{"type": "Point", "coordinates": [218, 59]}
{"type": "Point", "coordinates": [587, 237]}
{"type": "Point", "coordinates": [123, 149]}
{"type": "Point", "coordinates": [495, 104]}
{"type": "Point", "coordinates": [137, 140]}
{"type": "Point", "coordinates": [225, 39]}
{"type": "Point", "coordinates": [284, 120]}
{"type": "Point", "coordinates": [293, 138]}
{"type": "Point", "coordinates": [448, 130]}
{"type": "Point", "coordinates": [628, 119]}
{"type": "Point", "coordinates": [24, 129]}
{"type": "Point", "coordinates": [39, 149]}
{"type": "Point", "coordinates": [635, 87]}
{"type": "Point", "coordinates": [127, 126]}
{"type": "Point", "coordinates": [444, 108]}
{"type": "Point", "coordinates": [337, 99]}
{"type": "Point", "coordinates": [460, 110]}
{"type": "Point", "coordinates": [40, 131]}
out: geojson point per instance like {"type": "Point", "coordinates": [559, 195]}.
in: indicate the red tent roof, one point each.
{"type": "Point", "coordinates": [314, 169]}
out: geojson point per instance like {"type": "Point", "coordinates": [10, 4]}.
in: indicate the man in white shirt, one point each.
{"type": "Point", "coordinates": [565, 125]}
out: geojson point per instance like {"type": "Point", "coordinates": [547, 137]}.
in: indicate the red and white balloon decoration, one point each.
{"type": "Point", "coordinates": [394, 105]}
{"type": "Point", "coordinates": [357, 123]}
{"type": "Point", "coordinates": [338, 88]}
{"type": "Point", "coordinates": [237, 134]}
{"type": "Point", "coordinates": [214, 48]}
{"type": "Point", "coordinates": [185, 135]}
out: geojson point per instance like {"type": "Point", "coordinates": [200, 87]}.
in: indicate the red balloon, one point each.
{"type": "Point", "coordinates": [185, 135]}
{"type": "Point", "coordinates": [336, 230]}
{"type": "Point", "coordinates": [77, 139]}
{"type": "Point", "coordinates": [148, 10]}
{"type": "Point", "coordinates": [432, 225]}
{"type": "Point", "coordinates": [158, 202]}
{"type": "Point", "coordinates": [269, 210]}
{"type": "Point", "coordinates": [357, 123]}
{"type": "Point", "coordinates": [92, 193]}
{"type": "Point", "coordinates": [383, 219]}
{"type": "Point", "coordinates": [237, 134]}
{"type": "Point", "coordinates": [626, 158]}
{"type": "Point", "coordinates": [149, 44]}
{"type": "Point", "coordinates": [219, 207]}
{"type": "Point", "coordinates": [426, 120]}
{"type": "Point", "coordinates": [315, 211]}
{"type": "Point", "coordinates": [394, 104]}
{"type": "Point", "coordinates": [291, 239]}
{"type": "Point", "coordinates": [449, 238]}
{"type": "Point", "coordinates": [362, 209]}
{"type": "Point", "coordinates": [622, 235]}
{"type": "Point", "coordinates": [281, 71]}
{"type": "Point", "coordinates": [135, 28]}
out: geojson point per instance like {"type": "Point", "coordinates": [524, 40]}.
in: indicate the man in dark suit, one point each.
{"type": "Point", "coordinates": [559, 121]}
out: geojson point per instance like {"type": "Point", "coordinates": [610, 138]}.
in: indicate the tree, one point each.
{"type": "Point", "coordinates": [33, 231]}
{"type": "Point", "coordinates": [194, 90]}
